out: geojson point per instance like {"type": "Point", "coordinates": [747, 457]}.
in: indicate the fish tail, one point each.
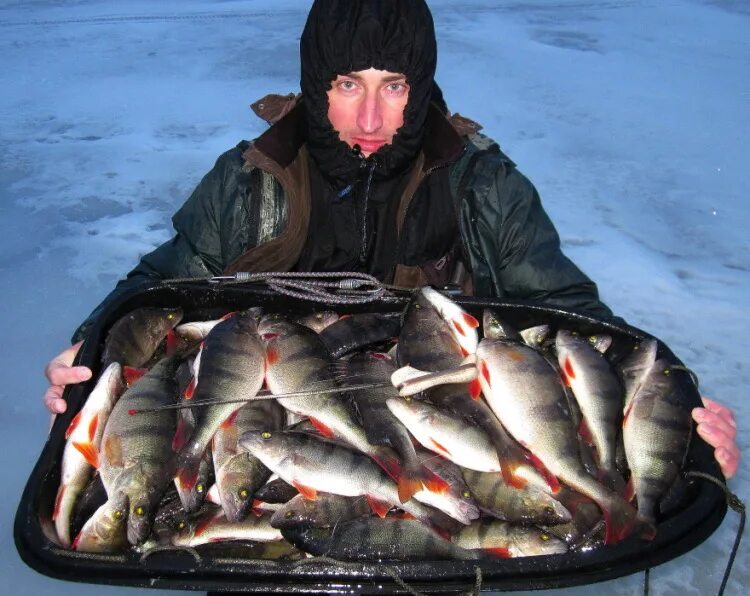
{"type": "Point", "coordinates": [612, 479]}
{"type": "Point", "coordinates": [388, 462]}
{"type": "Point", "coordinates": [620, 520]}
{"type": "Point", "coordinates": [408, 486]}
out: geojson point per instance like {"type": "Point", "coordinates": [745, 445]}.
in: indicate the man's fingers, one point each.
{"type": "Point", "coordinates": [63, 374]}
{"type": "Point", "coordinates": [704, 416]}
{"type": "Point", "coordinates": [717, 408]}
{"type": "Point", "coordinates": [53, 399]}
{"type": "Point", "coordinates": [729, 460]}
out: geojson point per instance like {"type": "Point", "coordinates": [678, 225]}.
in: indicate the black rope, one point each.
{"type": "Point", "coordinates": [736, 504]}
{"type": "Point", "coordinates": [646, 578]}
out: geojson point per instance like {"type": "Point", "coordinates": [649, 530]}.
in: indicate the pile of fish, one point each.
{"type": "Point", "coordinates": [369, 437]}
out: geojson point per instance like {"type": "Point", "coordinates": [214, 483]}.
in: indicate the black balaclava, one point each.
{"type": "Point", "coordinates": [343, 36]}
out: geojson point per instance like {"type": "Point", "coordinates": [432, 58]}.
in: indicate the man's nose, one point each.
{"type": "Point", "coordinates": [369, 117]}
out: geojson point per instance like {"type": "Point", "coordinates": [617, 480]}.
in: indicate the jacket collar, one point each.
{"type": "Point", "coordinates": [282, 141]}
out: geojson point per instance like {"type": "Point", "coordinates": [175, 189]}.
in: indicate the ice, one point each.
{"type": "Point", "coordinates": [631, 118]}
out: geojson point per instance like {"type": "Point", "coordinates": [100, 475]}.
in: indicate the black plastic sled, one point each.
{"type": "Point", "coordinates": [228, 568]}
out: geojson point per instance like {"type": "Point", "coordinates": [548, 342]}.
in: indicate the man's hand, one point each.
{"type": "Point", "coordinates": [717, 427]}
{"type": "Point", "coordinates": [59, 373]}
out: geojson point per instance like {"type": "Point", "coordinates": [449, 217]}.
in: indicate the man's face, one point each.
{"type": "Point", "coordinates": [367, 107]}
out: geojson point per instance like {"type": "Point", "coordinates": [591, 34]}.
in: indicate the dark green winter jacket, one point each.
{"type": "Point", "coordinates": [512, 248]}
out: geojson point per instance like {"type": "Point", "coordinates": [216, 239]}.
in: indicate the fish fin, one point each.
{"type": "Point", "coordinates": [612, 479]}
{"type": "Point", "coordinates": [272, 356]}
{"type": "Point", "coordinates": [549, 477]}
{"type": "Point", "coordinates": [484, 371]}
{"type": "Point", "coordinates": [620, 520]}
{"type": "Point", "coordinates": [388, 462]}
{"type": "Point", "coordinates": [378, 506]}
{"type": "Point", "coordinates": [89, 453]}
{"type": "Point", "coordinates": [439, 448]}
{"type": "Point", "coordinates": [512, 479]}
{"type": "Point", "coordinates": [231, 419]}
{"type": "Point", "coordinates": [190, 389]}
{"type": "Point", "coordinates": [58, 501]}
{"type": "Point", "coordinates": [203, 525]}
{"type": "Point", "coordinates": [475, 389]}
{"type": "Point", "coordinates": [433, 482]}
{"type": "Point", "coordinates": [76, 540]}
{"type": "Point", "coordinates": [214, 495]}
{"type": "Point", "coordinates": [645, 528]}
{"type": "Point", "coordinates": [229, 315]}
{"type": "Point", "coordinates": [322, 428]}
{"type": "Point", "coordinates": [172, 342]}
{"type": "Point", "coordinates": [471, 321]}
{"type": "Point", "coordinates": [406, 373]}
{"type": "Point", "coordinates": [93, 425]}
{"type": "Point", "coordinates": [306, 491]}
{"type": "Point", "coordinates": [568, 372]}
{"type": "Point", "coordinates": [501, 552]}
{"type": "Point", "coordinates": [73, 425]}
{"type": "Point", "coordinates": [187, 477]}
{"type": "Point", "coordinates": [182, 435]}
{"type": "Point", "coordinates": [408, 487]}
{"type": "Point", "coordinates": [132, 375]}
{"type": "Point", "coordinates": [585, 432]}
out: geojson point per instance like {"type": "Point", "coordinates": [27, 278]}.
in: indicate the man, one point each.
{"type": "Point", "coordinates": [367, 172]}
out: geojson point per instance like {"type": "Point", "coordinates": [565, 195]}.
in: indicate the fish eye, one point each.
{"type": "Point", "coordinates": [139, 511]}
{"type": "Point", "coordinates": [544, 537]}
{"type": "Point", "coordinates": [243, 493]}
{"type": "Point", "coordinates": [118, 515]}
{"type": "Point", "coordinates": [466, 494]}
{"type": "Point", "coordinates": [265, 435]}
{"type": "Point", "coordinates": [289, 514]}
{"type": "Point", "coordinates": [199, 488]}
{"type": "Point", "coordinates": [417, 306]}
{"type": "Point", "coordinates": [170, 316]}
{"type": "Point", "coordinates": [181, 525]}
{"type": "Point", "coordinates": [549, 509]}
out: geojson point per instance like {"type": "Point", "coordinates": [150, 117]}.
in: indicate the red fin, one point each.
{"type": "Point", "coordinates": [511, 479]}
{"type": "Point", "coordinates": [132, 375]}
{"type": "Point", "coordinates": [89, 453]}
{"type": "Point", "coordinates": [190, 389]}
{"type": "Point", "coordinates": [471, 321]}
{"type": "Point", "coordinates": [620, 521]}
{"type": "Point", "coordinates": [501, 552]}
{"type": "Point", "coordinates": [171, 342]}
{"type": "Point", "coordinates": [324, 430]}
{"type": "Point", "coordinates": [485, 371]}
{"type": "Point", "coordinates": [380, 508]}
{"type": "Point", "coordinates": [58, 501]}
{"type": "Point", "coordinates": [439, 448]}
{"type": "Point", "coordinates": [73, 424]}
{"type": "Point", "coordinates": [187, 478]}
{"type": "Point", "coordinates": [408, 487]}
{"type": "Point", "coordinates": [181, 435]}
{"type": "Point", "coordinates": [459, 328]}
{"type": "Point", "coordinates": [435, 484]}
{"type": "Point", "coordinates": [229, 315]}
{"type": "Point", "coordinates": [475, 389]}
{"type": "Point", "coordinates": [93, 425]}
{"type": "Point", "coordinates": [229, 422]}
{"type": "Point", "coordinates": [76, 540]}
{"type": "Point", "coordinates": [306, 491]}
{"type": "Point", "coordinates": [389, 464]}
{"type": "Point", "coordinates": [585, 432]}
{"type": "Point", "coordinates": [551, 479]}
{"type": "Point", "coordinates": [569, 372]}
{"type": "Point", "coordinates": [272, 357]}
{"type": "Point", "coordinates": [343, 317]}
{"type": "Point", "coordinates": [203, 526]}
{"type": "Point", "coordinates": [379, 356]}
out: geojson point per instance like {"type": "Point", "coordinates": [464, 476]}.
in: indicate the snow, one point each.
{"type": "Point", "coordinates": [630, 116]}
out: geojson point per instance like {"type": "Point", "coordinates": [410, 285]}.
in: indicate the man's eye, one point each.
{"type": "Point", "coordinates": [397, 88]}
{"type": "Point", "coordinates": [347, 85]}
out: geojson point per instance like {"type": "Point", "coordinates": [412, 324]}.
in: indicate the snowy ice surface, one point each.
{"type": "Point", "coordinates": [632, 117]}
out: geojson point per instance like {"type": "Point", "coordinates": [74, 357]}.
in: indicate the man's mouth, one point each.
{"type": "Point", "coordinates": [369, 145]}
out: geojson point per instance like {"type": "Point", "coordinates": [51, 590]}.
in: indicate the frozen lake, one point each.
{"type": "Point", "coordinates": [632, 117]}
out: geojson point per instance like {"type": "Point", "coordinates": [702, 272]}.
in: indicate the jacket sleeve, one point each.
{"type": "Point", "coordinates": [194, 251]}
{"type": "Point", "coordinates": [519, 248]}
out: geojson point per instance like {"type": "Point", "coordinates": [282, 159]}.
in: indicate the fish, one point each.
{"type": "Point", "coordinates": [232, 365]}
{"type": "Point", "coordinates": [134, 338]}
{"type": "Point", "coordinates": [296, 359]}
{"type": "Point", "coordinates": [635, 368]}
{"type": "Point", "coordinates": [507, 540]}
{"type": "Point", "coordinates": [657, 428]}
{"type": "Point", "coordinates": [89, 500]}
{"type": "Point", "coordinates": [276, 490]}
{"type": "Point", "coordinates": [319, 321]}
{"type": "Point", "coordinates": [81, 453]}
{"type": "Point", "coordinates": [238, 474]}
{"type": "Point", "coordinates": [326, 511]}
{"type": "Point", "coordinates": [375, 539]}
{"type": "Point", "coordinates": [136, 454]}
{"type": "Point", "coordinates": [599, 393]}
{"type": "Point", "coordinates": [528, 505]}
{"type": "Point", "coordinates": [106, 531]}
{"type": "Point", "coordinates": [314, 465]}
{"type": "Point", "coordinates": [462, 324]}
{"type": "Point", "coordinates": [382, 427]}
{"type": "Point", "coordinates": [212, 526]}
{"type": "Point", "coordinates": [453, 497]}
{"type": "Point", "coordinates": [527, 395]}
{"type": "Point", "coordinates": [352, 333]}
{"type": "Point", "coordinates": [445, 434]}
